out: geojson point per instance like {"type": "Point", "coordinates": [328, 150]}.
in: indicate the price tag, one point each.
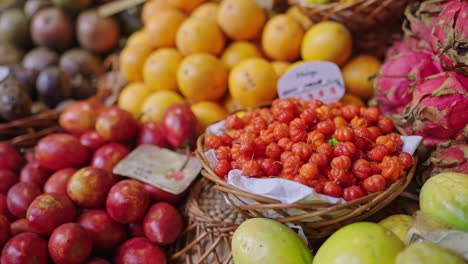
{"type": "Point", "coordinates": [160, 167]}
{"type": "Point", "coordinates": [267, 4]}
{"type": "Point", "coordinates": [320, 80]}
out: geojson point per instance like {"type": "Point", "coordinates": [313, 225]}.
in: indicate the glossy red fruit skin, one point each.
{"type": "Point", "coordinates": [127, 201]}
{"type": "Point", "coordinates": [5, 230]}
{"type": "Point", "coordinates": [22, 226]}
{"type": "Point", "coordinates": [107, 156]}
{"type": "Point", "coordinates": [70, 244]}
{"type": "Point", "coordinates": [179, 125]}
{"type": "Point", "coordinates": [89, 186]}
{"type": "Point", "coordinates": [353, 193]}
{"type": "Point", "coordinates": [80, 117]}
{"type": "Point", "coordinates": [7, 179]}
{"type": "Point", "coordinates": [3, 207]}
{"type": "Point", "coordinates": [59, 151]}
{"type": "Point", "coordinates": [34, 172]}
{"type": "Point", "coordinates": [30, 156]}
{"type": "Point", "coordinates": [136, 230]}
{"type": "Point", "coordinates": [105, 232]}
{"type": "Point", "coordinates": [159, 195]}
{"type": "Point", "coordinates": [57, 182]}
{"type": "Point", "coordinates": [162, 224]}
{"type": "Point", "coordinates": [152, 133]}
{"type": "Point", "coordinates": [92, 140]}
{"type": "Point", "coordinates": [10, 159]}
{"type": "Point", "coordinates": [25, 248]}
{"type": "Point", "coordinates": [50, 210]}
{"type": "Point", "coordinates": [20, 196]}
{"type": "Point", "coordinates": [98, 261]}
{"type": "Point", "coordinates": [116, 125]}
{"type": "Point", "coordinates": [139, 250]}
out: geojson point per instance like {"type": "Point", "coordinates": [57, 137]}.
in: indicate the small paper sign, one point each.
{"type": "Point", "coordinates": [266, 4]}
{"type": "Point", "coordinates": [160, 167]}
{"type": "Point", "coordinates": [320, 80]}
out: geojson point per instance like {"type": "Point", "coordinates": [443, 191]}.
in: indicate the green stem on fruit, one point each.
{"type": "Point", "coordinates": [187, 154]}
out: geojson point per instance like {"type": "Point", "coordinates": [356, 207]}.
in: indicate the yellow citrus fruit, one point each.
{"type": "Point", "coordinates": [239, 51]}
{"type": "Point", "coordinates": [231, 105]}
{"type": "Point", "coordinates": [186, 5]}
{"type": "Point", "coordinates": [132, 97]}
{"type": "Point", "coordinates": [202, 77]}
{"type": "Point", "coordinates": [253, 82]}
{"type": "Point", "coordinates": [296, 13]}
{"type": "Point", "coordinates": [156, 104]}
{"type": "Point", "coordinates": [162, 27]}
{"type": "Point", "coordinates": [327, 41]}
{"type": "Point", "coordinates": [207, 11]}
{"type": "Point", "coordinates": [160, 69]}
{"type": "Point", "coordinates": [139, 40]}
{"type": "Point", "coordinates": [131, 62]}
{"type": "Point", "coordinates": [207, 113]}
{"type": "Point", "coordinates": [291, 66]}
{"type": "Point", "coordinates": [280, 67]}
{"type": "Point", "coordinates": [197, 35]}
{"type": "Point", "coordinates": [358, 75]}
{"type": "Point", "coordinates": [241, 19]}
{"type": "Point", "coordinates": [352, 99]}
{"type": "Point", "coordinates": [282, 38]}
{"type": "Point", "coordinates": [152, 7]}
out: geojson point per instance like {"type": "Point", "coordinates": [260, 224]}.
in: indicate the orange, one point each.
{"type": "Point", "coordinates": [186, 5]}
{"type": "Point", "coordinates": [231, 105]}
{"type": "Point", "coordinates": [132, 97]}
{"type": "Point", "coordinates": [280, 67]}
{"type": "Point", "coordinates": [160, 69]}
{"type": "Point", "coordinates": [197, 35]}
{"type": "Point", "coordinates": [358, 75]}
{"type": "Point", "coordinates": [327, 41]}
{"type": "Point", "coordinates": [239, 51]}
{"type": "Point", "coordinates": [162, 27]}
{"type": "Point", "coordinates": [202, 77]}
{"type": "Point", "coordinates": [207, 113]}
{"type": "Point", "coordinates": [207, 11]}
{"type": "Point", "coordinates": [253, 82]}
{"type": "Point", "coordinates": [152, 7]}
{"type": "Point", "coordinates": [131, 62]}
{"type": "Point", "coordinates": [297, 63]}
{"type": "Point", "coordinates": [156, 104]}
{"type": "Point", "coordinates": [282, 38]}
{"type": "Point", "coordinates": [241, 19]}
{"type": "Point", "coordinates": [352, 99]}
{"type": "Point", "coordinates": [139, 40]}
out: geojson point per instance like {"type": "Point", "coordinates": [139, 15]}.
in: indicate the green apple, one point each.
{"type": "Point", "coordinates": [398, 224]}
{"type": "Point", "coordinates": [427, 253]}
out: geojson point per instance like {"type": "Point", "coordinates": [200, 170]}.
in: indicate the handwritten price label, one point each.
{"type": "Point", "coordinates": [319, 80]}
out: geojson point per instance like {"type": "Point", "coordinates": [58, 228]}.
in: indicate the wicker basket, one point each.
{"type": "Point", "coordinates": [375, 24]}
{"type": "Point", "coordinates": [329, 216]}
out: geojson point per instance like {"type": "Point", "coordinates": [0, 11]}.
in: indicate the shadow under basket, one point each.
{"type": "Point", "coordinates": [317, 219]}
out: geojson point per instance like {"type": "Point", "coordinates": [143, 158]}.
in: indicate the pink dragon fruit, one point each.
{"type": "Point", "coordinates": [438, 111]}
{"type": "Point", "coordinates": [450, 156]}
{"type": "Point", "coordinates": [398, 74]}
{"type": "Point", "coordinates": [449, 38]}
{"type": "Point", "coordinates": [409, 44]}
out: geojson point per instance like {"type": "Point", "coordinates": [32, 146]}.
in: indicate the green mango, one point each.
{"type": "Point", "coordinates": [363, 243]}
{"type": "Point", "coordinates": [265, 241]}
{"type": "Point", "coordinates": [398, 224]}
{"type": "Point", "coordinates": [427, 253]}
{"type": "Point", "coordinates": [445, 196]}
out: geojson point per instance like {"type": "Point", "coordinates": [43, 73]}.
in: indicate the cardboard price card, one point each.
{"type": "Point", "coordinates": [319, 80]}
{"type": "Point", "coordinates": [168, 170]}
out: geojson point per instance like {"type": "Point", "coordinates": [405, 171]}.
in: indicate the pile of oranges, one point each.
{"type": "Point", "coordinates": [222, 56]}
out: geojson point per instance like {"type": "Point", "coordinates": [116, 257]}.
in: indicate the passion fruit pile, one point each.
{"type": "Point", "coordinates": [53, 51]}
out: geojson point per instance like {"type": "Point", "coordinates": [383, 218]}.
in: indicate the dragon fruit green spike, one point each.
{"type": "Point", "coordinates": [438, 111]}
{"type": "Point", "coordinates": [450, 156]}
{"type": "Point", "coordinates": [397, 76]}
{"type": "Point", "coordinates": [449, 37]}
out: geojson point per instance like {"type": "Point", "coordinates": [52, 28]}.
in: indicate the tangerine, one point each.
{"type": "Point", "coordinates": [160, 69]}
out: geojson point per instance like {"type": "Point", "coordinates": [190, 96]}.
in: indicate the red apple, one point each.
{"type": "Point", "coordinates": [152, 133]}
{"type": "Point", "coordinates": [159, 195]}
{"type": "Point", "coordinates": [57, 182]}
{"type": "Point", "coordinates": [34, 172]}
{"type": "Point", "coordinates": [98, 261]}
{"type": "Point", "coordinates": [136, 230]}
{"type": "Point", "coordinates": [92, 140]}
{"type": "Point", "coordinates": [162, 224]}
{"type": "Point", "coordinates": [25, 248]}
{"type": "Point", "coordinates": [115, 124]}
{"type": "Point", "coordinates": [30, 156]}
{"type": "Point", "coordinates": [89, 186]}
{"type": "Point", "coordinates": [70, 244]}
{"type": "Point", "coordinates": [20, 196]}
{"type": "Point", "coordinates": [127, 201]}
{"type": "Point", "coordinates": [179, 125]}
{"type": "Point", "coordinates": [59, 151]}
{"type": "Point", "coordinates": [139, 250]}
{"type": "Point", "coordinates": [7, 178]}
{"type": "Point", "coordinates": [50, 210]}
{"type": "Point", "coordinates": [105, 232]}
{"type": "Point", "coordinates": [5, 231]}
{"type": "Point", "coordinates": [10, 159]}
{"type": "Point", "coordinates": [3, 206]}
{"type": "Point", "coordinates": [22, 226]}
{"type": "Point", "coordinates": [107, 156]}
{"type": "Point", "coordinates": [80, 117]}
